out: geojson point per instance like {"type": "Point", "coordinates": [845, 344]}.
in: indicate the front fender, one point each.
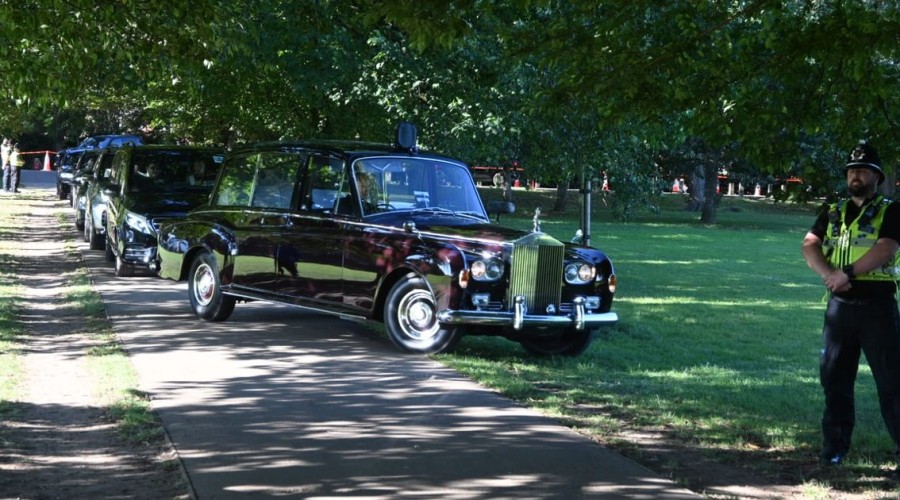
{"type": "Point", "coordinates": [178, 244]}
{"type": "Point", "coordinates": [440, 266]}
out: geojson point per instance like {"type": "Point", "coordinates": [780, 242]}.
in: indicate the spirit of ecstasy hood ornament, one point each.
{"type": "Point", "coordinates": [537, 220]}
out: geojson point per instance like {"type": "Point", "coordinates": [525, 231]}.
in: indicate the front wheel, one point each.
{"type": "Point", "coordinates": [108, 253]}
{"type": "Point", "coordinates": [568, 343]}
{"type": "Point", "coordinates": [205, 290]}
{"type": "Point", "coordinates": [410, 318]}
{"type": "Point", "coordinates": [123, 269]}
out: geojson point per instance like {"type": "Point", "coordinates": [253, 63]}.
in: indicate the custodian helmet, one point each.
{"type": "Point", "coordinates": [865, 156]}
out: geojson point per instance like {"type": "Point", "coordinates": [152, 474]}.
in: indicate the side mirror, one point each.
{"type": "Point", "coordinates": [499, 208]}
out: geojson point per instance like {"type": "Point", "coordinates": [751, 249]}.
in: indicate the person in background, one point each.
{"type": "Point", "coordinates": [853, 247]}
{"type": "Point", "coordinates": [11, 179]}
{"type": "Point", "coordinates": [5, 149]}
{"type": "Point", "coordinates": [198, 175]}
{"type": "Point", "coordinates": [17, 162]}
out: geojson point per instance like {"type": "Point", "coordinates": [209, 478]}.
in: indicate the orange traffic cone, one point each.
{"type": "Point", "coordinates": [47, 161]}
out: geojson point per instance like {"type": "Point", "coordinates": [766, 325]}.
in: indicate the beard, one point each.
{"type": "Point", "coordinates": [860, 190]}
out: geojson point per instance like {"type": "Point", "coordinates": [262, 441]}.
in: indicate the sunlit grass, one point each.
{"type": "Point", "coordinates": [718, 341]}
{"type": "Point", "coordinates": [115, 379]}
{"type": "Point", "coordinates": [11, 369]}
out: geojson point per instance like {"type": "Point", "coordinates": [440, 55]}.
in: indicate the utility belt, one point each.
{"type": "Point", "coordinates": [864, 301]}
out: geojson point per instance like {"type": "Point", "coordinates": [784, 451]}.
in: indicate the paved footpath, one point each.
{"type": "Point", "coordinates": [281, 402]}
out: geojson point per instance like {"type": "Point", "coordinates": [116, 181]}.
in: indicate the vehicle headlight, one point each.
{"type": "Point", "coordinates": [139, 223]}
{"type": "Point", "coordinates": [579, 273]}
{"type": "Point", "coordinates": [486, 270]}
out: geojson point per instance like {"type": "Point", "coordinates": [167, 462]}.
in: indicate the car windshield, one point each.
{"type": "Point", "coordinates": [424, 185]}
{"type": "Point", "coordinates": [173, 170]}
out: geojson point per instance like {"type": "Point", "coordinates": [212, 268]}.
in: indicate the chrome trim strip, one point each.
{"type": "Point", "coordinates": [495, 318]}
{"type": "Point", "coordinates": [249, 296]}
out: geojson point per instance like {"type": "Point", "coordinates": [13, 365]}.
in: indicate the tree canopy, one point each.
{"type": "Point", "coordinates": [781, 85]}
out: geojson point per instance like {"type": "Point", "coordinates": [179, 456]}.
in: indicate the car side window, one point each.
{"type": "Point", "coordinates": [326, 190]}
{"type": "Point", "coordinates": [120, 168]}
{"type": "Point", "coordinates": [236, 186]}
{"type": "Point", "coordinates": [276, 174]}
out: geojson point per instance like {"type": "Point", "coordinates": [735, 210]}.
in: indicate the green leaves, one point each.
{"type": "Point", "coordinates": [488, 81]}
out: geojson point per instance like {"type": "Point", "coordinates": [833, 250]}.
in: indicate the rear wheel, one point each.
{"type": "Point", "coordinates": [205, 290]}
{"type": "Point", "coordinates": [410, 317]}
{"type": "Point", "coordinates": [568, 343]}
{"type": "Point", "coordinates": [95, 240]}
{"type": "Point", "coordinates": [79, 220]}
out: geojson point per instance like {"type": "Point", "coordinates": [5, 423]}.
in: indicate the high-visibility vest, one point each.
{"type": "Point", "coordinates": [845, 243]}
{"type": "Point", "coordinates": [16, 160]}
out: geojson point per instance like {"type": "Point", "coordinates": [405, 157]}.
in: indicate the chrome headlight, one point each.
{"type": "Point", "coordinates": [487, 270]}
{"type": "Point", "coordinates": [580, 273]}
{"type": "Point", "coordinates": [139, 223]}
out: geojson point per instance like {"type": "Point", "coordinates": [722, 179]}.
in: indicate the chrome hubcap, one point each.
{"type": "Point", "coordinates": [204, 284]}
{"type": "Point", "coordinates": [417, 315]}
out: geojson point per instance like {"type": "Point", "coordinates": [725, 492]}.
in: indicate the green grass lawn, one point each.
{"type": "Point", "coordinates": [718, 342]}
{"type": "Point", "coordinates": [717, 345]}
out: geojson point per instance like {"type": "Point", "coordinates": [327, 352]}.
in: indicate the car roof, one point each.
{"type": "Point", "coordinates": [353, 149]}
{"type": "Point", "coordinates": [171, 148]}
{"type": "Point", "coordinates": [110, 140]}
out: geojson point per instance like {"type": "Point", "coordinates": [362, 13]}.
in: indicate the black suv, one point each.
{"type": "Point", "coordinates": [150, 184]}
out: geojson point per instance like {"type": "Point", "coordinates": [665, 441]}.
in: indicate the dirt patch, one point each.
{"type": "Point", "coordinates": [56, 439]}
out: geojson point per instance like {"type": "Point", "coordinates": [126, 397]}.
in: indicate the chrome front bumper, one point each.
{"type": "Point", "coordinates": [519, 317]}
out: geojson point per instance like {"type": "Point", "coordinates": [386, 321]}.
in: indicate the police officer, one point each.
{"type": "Point", "coordinates": [853, 247]}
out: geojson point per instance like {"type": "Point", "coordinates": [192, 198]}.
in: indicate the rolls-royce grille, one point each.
{"type": "Point", "coordinates": [537, 267]}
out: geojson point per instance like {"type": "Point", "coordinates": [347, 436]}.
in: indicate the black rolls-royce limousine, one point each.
{"type": "Point", "coordinates": [383, 232]}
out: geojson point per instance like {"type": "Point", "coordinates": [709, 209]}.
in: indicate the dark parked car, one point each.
{"type": "Point", "coordinates": [82, 175]}
{"type": "Point", "coordinates": [95, 198]}
{"type": "Point", "coordinates": [66, 161]}
{"type": "Point", "coordinates": [386, 233]}
{"type": "Point", "coordinates": [149, 185]}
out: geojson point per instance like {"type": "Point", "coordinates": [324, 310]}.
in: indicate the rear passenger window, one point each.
{"type": "Point", "coordinates": [275, 178]}
{"type": "Point", "coordinates": [237, 182]}
{"type": "Point", "coordinates": [326, 189]}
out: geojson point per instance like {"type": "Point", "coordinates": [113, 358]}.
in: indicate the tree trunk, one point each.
{"type": "Point", "coordinates": [697, 190]}
{"type": "Point", "coordinates": [562, 189]}
{"type": "Point", "coordinates": [704, 181]}
{"type": "Point", "coordinates": [711, 196]}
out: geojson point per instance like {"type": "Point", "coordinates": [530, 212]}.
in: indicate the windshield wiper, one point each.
{"type": "Point", "coordinates": [446, 211]}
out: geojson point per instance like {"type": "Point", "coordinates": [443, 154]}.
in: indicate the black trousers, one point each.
{"type": "Point", "coordinates": [851, 327]}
